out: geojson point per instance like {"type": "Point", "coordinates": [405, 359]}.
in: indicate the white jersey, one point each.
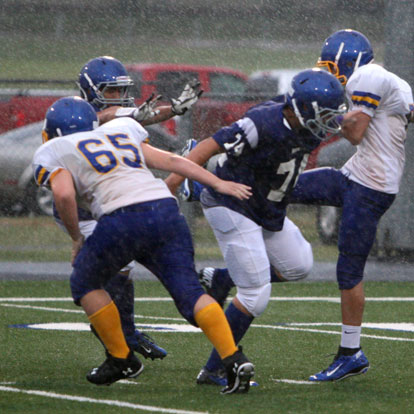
{"type": "Point", "coordinates": [107, 166]}
{"type": "Point", "coordinates": [380, 157]}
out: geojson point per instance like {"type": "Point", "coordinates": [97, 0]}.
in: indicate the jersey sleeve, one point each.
{"type": "Point", "coordinates": [136, 131]}
{"type": "Point", "coordinates": [374, 87]}
{"type": "Point", "coordinates": [401, 98]}
{"type": "Point", "coordinates": [45, 165]}
{"type": "Point", "coordinates": [237, 137]}
{"type": "Point", "coordinates": [365, 91]}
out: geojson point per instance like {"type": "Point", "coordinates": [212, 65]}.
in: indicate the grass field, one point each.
{"type": "Point", "coordinates": [39, 239]}
{"type": "Point", "coordinates": [28, 57]}
{"type": "Point", "coordinates": [43, 370]}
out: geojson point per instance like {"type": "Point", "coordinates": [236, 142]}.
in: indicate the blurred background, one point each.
{"type": "Point", "coordinates": [45, 43]}
{"type": "Point", "coordinates": [55, 38]}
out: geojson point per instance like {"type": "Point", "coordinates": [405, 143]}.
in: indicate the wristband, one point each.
{"type": "Point", "coordinates": [125, 112]}
{"type": "Point", "coordinates": [339, 119]}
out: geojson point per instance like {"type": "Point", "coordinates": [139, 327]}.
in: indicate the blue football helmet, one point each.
{"type": "Point", "coordinates": [345, 51]}
{"type": "Point", "coordinates": [317, 99]}
{"type": "Point", "coordinates": [67, 116]}
{"type": "Point", "coordinates": [101, 73]}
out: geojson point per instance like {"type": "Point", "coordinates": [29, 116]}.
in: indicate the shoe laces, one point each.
{"type": "Point", "coordinates": [207, 275]}
{"type": "Point", "coordinates": [143, 337]}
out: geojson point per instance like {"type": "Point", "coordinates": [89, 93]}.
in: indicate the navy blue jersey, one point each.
{"type": "Point", "coordinates": [262, 151]}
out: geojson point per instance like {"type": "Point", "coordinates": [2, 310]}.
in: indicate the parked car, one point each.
{"type": "Point", "coordinates": [223, 101]}
{"type": "Point", "coordinates": [18, 192]}
{"type": "Point", "coordinates": [278, 80]}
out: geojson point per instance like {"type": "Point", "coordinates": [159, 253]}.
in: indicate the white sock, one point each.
{"type": "Point", "coordinates": [351, 336]}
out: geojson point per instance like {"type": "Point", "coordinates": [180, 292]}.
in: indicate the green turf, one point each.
{"type": "Point", "coordinates": [39, 239]}
{"type": "Point", "coordinates": [27, 57]}
{"type": "Point", "coordinates": [57, 361]}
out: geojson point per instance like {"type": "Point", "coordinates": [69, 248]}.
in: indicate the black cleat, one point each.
{"type": "Point", "coordinates": [146, 346]}
{"type": "Point", "coordinates": [239, 371]}
{"type": "Point", "coordinates": [140, 342]}
{"type": "Point", "coordinates": [206, 377]}
{"type": "Point", "coordinates": [206, 276]}
{"type": "Point", "coordinates": [113, 369]}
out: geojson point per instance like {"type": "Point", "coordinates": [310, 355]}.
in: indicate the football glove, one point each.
{"type": "Point", "coordinates": [189, 190]}
{"type": "Point", "coordinates": [145, 111]}
{"type": "Point", "coordinates": [189, 145]}
{"type": "Point", "coordinates": [189, 96]}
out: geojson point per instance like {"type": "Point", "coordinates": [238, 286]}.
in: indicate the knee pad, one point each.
{"type": "Point", "coordinates": [185, 297]}
{"type": "Point", "coordinates": [302, 268]}
{"type": "Point", "coordinates": [120, 287]}
{"type": "Point", "coordinates": [255, 299]}
{"type": "Point", "coordinates": [350, 271]}
{"type": "Point", "coordinates": [186, 308]}
{"type": "Point", "coordinates": [81, 285]}
{"type": "Point", "coordinates": [347, 281]}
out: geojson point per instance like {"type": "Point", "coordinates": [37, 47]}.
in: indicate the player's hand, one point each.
{"type": "Point", "coordinates": [189, 96]}
{"type": "Point", "coordinates": [147, 109]}
{"type": "Point", "coordinates": [240, 191]}
{"type": "Point", "coordinates": [76, 246]}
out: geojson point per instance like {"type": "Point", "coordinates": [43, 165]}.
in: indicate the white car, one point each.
{"type": "Point", "coordinates": [272, 82]}
{"type": "Point", "coordinates": [19, 193]}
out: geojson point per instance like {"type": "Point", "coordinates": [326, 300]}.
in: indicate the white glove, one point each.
{"type": "Point", "coordinates": [145, 111]}
{"type": "Point", "coordinates": [189, 96]}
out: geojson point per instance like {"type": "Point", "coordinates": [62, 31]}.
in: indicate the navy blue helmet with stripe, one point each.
{"type": "Point", "coordinates": [67, 116]}
{"type": "Point", "coordinates": [318, 100]}
{"type": "Point", "coordinates": [101, 73]}
{"type": "Point", "coordinates": [344, 52]}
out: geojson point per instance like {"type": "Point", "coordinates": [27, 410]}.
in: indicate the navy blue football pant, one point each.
{"type": "Point", "coordinates": [154, 234]}
{"type": "Point", "coordinates": [362, 209]}
{"type": "Point", "coordinates": [121, 289]}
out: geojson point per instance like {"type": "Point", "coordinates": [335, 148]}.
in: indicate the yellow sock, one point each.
{"type": "Point", "coordinates": [212, 320]}
{"type": "Point", "coordinates": [107, 324]}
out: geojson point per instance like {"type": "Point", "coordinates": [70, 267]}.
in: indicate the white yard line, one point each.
{"type": "Point", "coordinates": [46, 308]}
{"type": "Point", "coordinates": [289, 381]}
{"type": "Point", "coordinates": [273, 298]}
{"type": "Point", "coordinates": [336, 299]}
{"type": "Point", "coordinates": [113, 403]}
{"type": "Point", "coordinates": [287, 328]}
{"type": "Point", "coordinates": [62, 299]}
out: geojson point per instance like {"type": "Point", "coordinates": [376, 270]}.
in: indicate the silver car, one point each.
{"type": "Point", "coordinates": [19, 193]}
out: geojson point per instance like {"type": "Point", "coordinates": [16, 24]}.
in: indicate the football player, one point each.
{"type": "Point", "coordinates": [267, 149]}
{"type": "Point", "coordinates": [380, 104]}
{"type": "Point", "coordinates": [104, 82]}
{"type": "Point", "coordinates": [107, 170]}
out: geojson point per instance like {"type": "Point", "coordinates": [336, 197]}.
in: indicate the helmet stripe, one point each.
{"type": "Point", "coordinates": [338, 55]}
